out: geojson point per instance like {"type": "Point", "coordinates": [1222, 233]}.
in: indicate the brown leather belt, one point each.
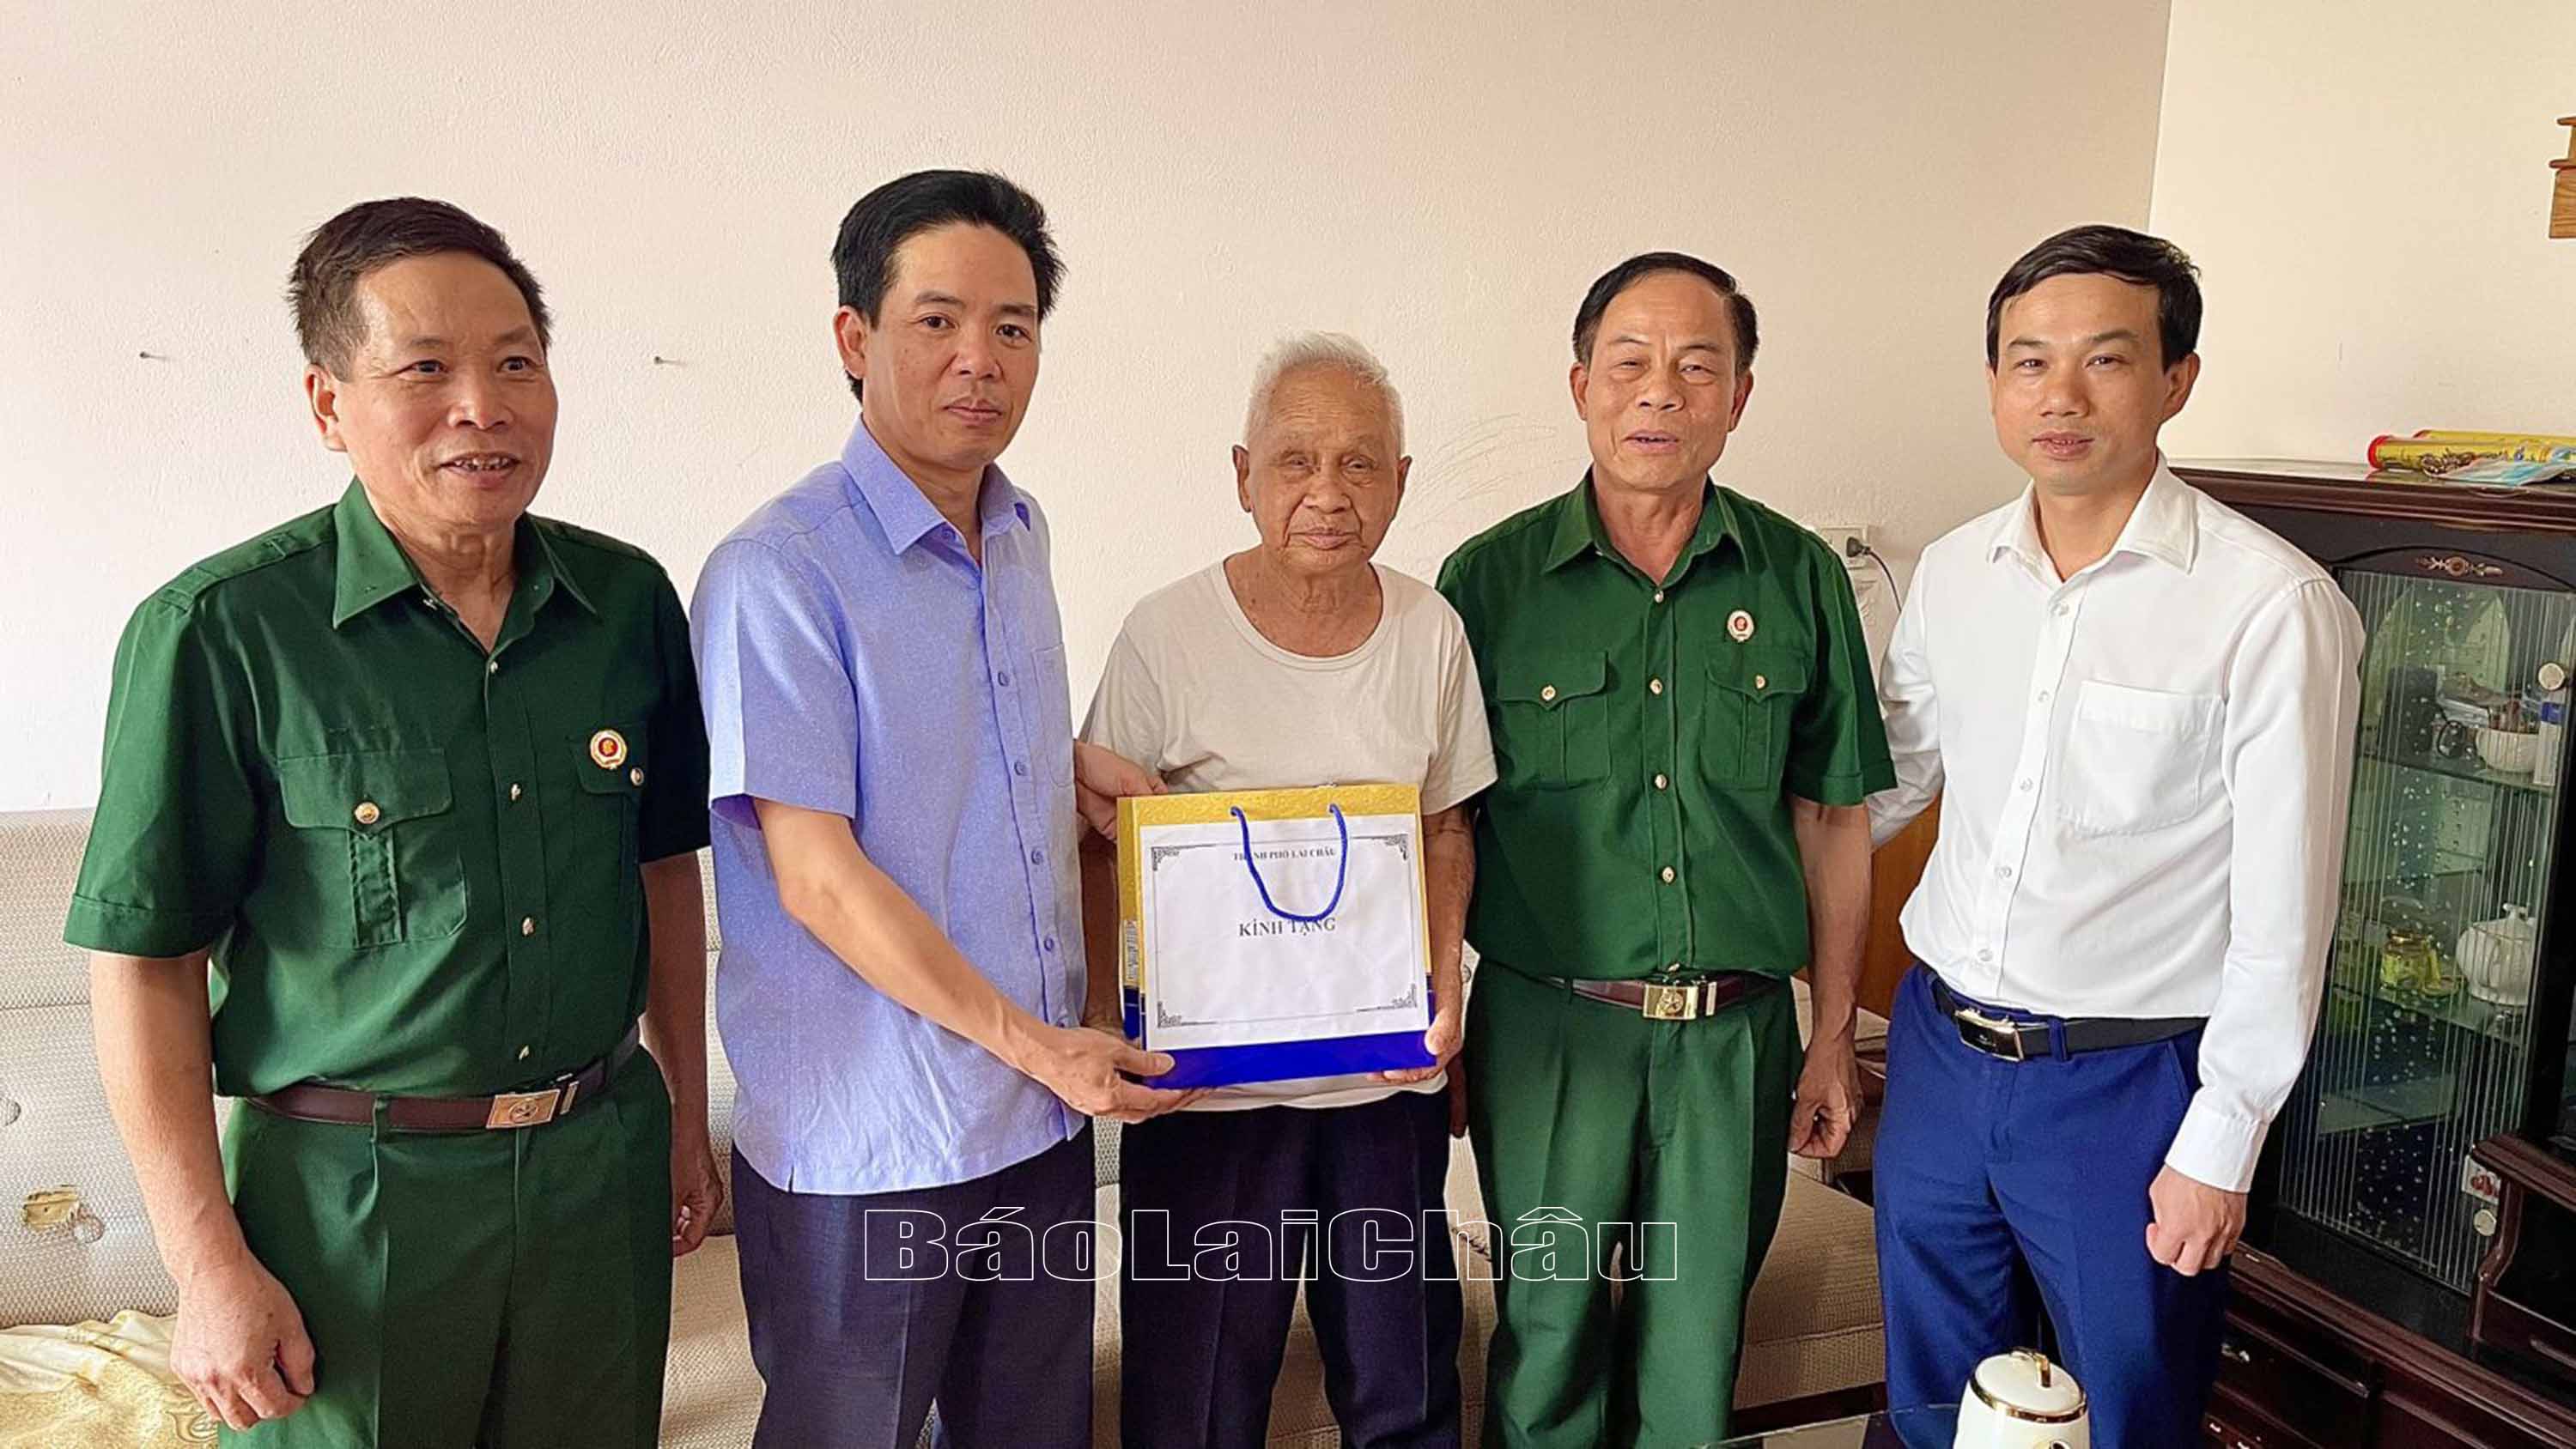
{"type": "Point", "coordinates": [314, 1102]}
{"type": "Point", "coordinates": [1671, 1001]}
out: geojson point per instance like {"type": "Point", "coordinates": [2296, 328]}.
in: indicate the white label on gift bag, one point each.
{"type": "Point", "coordinates": [1225, 967]}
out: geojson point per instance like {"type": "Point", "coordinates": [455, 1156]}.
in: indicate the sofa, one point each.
{"type": "Point", "coordinates": [75, 1246]}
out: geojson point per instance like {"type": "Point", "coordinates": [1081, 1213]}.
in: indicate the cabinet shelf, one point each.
{"type": "Point", "coordinates": [2386, 1104]}
{"type": "Point", "coordinates": [2503, 1025]}
{"type": "Point", "coordinates": [2474, 771]}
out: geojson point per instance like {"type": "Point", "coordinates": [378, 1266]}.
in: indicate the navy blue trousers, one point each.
{"type": "Point", "coordinates": [1982, 1164]}
{"type": "Point", "coordinates": [866, 1308]}
{"type": "Point", "coordinates": [1217, 1203]}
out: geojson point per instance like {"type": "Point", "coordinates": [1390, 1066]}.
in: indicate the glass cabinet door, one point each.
{"type": "Point", "coordinates": [2425, 1039]}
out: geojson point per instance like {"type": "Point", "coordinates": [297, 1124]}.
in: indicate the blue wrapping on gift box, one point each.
{"type": "Point", "coordinates": [1278, 1061]}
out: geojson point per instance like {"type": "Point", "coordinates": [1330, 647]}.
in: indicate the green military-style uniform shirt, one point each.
{"type": "Point", "coordinates": [417, 866]}
{"type": "Point", "coordinates": [1649, 734]}
{"type": "Point", "coordinates": [416, 863]}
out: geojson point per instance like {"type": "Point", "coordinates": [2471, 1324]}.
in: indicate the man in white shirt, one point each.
{"type": "Point", "coordinates": [1292, 663]}
{"type": "Point", "coordinates": [2136, 707]}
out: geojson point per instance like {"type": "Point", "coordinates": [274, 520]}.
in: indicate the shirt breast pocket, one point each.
{"type": "Point", "coordinates": [1551, 722]}
{"type": "Point", "coordinates": [2137, 760]}
{"type": "Point", "coordinates": [1051, 684]}
{"type": "Point", "coordinates": [1747, 716]}
{"type": "Point", "coordinates": [610, 768]}
{"type": "Point", "coordinates": [374, 840]}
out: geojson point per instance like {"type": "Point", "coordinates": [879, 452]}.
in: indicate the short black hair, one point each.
{"type": "Point", "coordinates": [341, 252]}
{"type": "Point", "coordinates": [2111, 251]}
{"type": "Point", "coordinates": [1739, 307]}
{"type": "Point", "coordinates": [884, 219]}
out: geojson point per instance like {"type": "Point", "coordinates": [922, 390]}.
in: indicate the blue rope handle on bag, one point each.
{"type": "Point", "coordinates": [1341, 875]}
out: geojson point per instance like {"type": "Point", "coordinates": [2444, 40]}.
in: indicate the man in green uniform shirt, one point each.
{"type": "Point", "coordinates": [1682, 714]}
{"type": "Point", "coordinates": [421, 779]}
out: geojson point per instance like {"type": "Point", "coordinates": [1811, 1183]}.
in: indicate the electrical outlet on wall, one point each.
{"type": "Point", "coordinates": [1849, 541]}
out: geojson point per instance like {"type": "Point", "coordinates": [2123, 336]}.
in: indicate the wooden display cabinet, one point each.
{"type": "Point", "coordinates": [2409, 1274]}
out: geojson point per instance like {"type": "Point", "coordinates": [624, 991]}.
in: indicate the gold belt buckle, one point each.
{"type": "Point", "coordinates": [1987, 1034]}
{"type": "Point", "coordinates": [1670, 1003]}
{"type": "Point", "coordinates": [524, 1109]}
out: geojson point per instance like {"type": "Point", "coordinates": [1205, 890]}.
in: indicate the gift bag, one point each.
{"type": "Point", "coordinates": [1274, 934]}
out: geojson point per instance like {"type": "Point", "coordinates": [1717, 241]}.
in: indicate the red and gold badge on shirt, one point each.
{"type": "Point", "coordinates": [608, 749]}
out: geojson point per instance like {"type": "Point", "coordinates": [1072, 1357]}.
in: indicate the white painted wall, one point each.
{"type": "Point", "coordinates": [2365, 184]}
{"type": "Point", "coordinates": [1440, 179]}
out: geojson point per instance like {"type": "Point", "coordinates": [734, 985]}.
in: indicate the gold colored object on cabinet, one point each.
{"type": "Point", "coordinates": [2409, 961]}
{"type": "Point", "coordinates": [2404, 959]}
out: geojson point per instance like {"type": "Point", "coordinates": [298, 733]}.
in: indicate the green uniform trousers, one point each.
{"type": "Point", "coordinates": [505, 1290]}
{"type": "Point", "coordinates": [1586, 1115]}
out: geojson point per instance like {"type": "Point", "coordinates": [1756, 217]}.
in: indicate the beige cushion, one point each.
{"type": "Point", "coordinates": [710, 1394]}
{"type": "Point", "coordinates": [98, 1258]}
{"type": "Point", "coordinates": [1813, 1325]}
{"type": "Point", "coordinates": [40, 853]}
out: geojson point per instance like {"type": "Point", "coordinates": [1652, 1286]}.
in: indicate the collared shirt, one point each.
{"type": "Point", "coordinates": [859, 662]}
{"type": "Point", "coordinates": [1649, 734]}
{"type": "Point", "coordinates": [2143, 771]}
{"type": "Point", "coordinates": [416, 861]}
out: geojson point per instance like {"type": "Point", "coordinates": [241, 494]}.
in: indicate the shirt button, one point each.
{"type": "Point", "coordinates": [515, 792]}
{"type": "Point", "coordinates": [1049, 943]}
{"type": "Point", "coordinates": [1003, 679]}
{"type": "Point", "coordinates": [523, 1052]}
{"type": "Point", "coordinates": [1547, 693]}
{"type": "Point", "coordinates": [2025, 786]}
{"type": "Point", "coordinates": [1659, 596]}
{"type": "Point", "coordinates": [2043, 696]}
{"type": "Point", "coordinates": [492, 666]}
{"type": "Point", "coordinates": [367, 813]}
{"type": "Point", "coordinates": [1668, 875]}
{"type": "Point", "coordinates": [1761, 683]}
{"type": "Point", "coordinates": [1674, 967]}
{"type": "Point", "coordinates": [2065, 609]}
{"type": "Point", "coordinates": [1037, 857]}
{"type": "Point", "coordinates": [635, 776]}
{"type": "Point", "coordinates": [1654, 686]}
{"type": "Point", "coordinates": [1985, 955]}
{"type": "Point", "coordinates": [2003, 872]}
{"type": "Point", "coordinates": [527, 925]}
{"type": "Point", "coordinates": [1661, 783]}
{"type": "Point", "coordinates": [1020, 768]}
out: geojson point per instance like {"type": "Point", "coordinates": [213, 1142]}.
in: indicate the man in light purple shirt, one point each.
{"type": "Point", "coordinates": [901, 990]}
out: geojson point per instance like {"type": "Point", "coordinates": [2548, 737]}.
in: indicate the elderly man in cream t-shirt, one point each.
{"type": "Point", "coordinates": [1300, 662]}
